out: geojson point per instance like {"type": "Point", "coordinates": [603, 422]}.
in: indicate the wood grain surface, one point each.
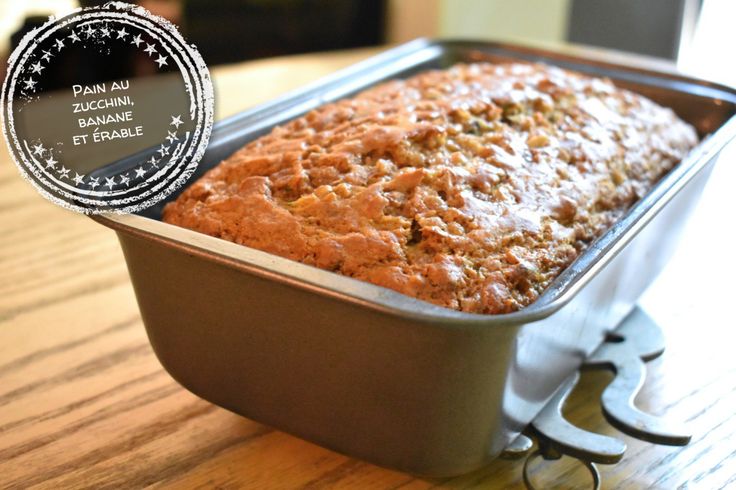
{"type": "Point", "coordinates": [85, 404]}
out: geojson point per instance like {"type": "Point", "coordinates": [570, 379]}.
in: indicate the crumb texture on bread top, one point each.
{"type": "Point", "coordinates": [471, 188]}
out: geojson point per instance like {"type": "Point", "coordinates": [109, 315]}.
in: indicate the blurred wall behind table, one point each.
{"type": "Point", "coordinates": [693, 32]}
{"type": "Point", "coordinates": [652, 27]}
{"type": "Point", "coordinates": [536, 20]}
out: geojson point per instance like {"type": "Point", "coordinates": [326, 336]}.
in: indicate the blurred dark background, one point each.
{"type": "Point", "coordinates": [233, 30]}
{"type": "Point", "coordinates": [227, 31]}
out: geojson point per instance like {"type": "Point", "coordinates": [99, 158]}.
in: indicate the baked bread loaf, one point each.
{"type": "Point", "coordinates": [471, 187]}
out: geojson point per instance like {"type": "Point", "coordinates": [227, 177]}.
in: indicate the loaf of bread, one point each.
{"type": "Point", "coordinates": [470, 188]}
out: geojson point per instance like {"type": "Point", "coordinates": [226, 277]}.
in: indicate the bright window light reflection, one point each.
{"type": "Point", "coordinates": [709, 55]}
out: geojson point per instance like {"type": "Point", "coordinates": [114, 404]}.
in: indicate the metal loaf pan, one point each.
{"type": "Point", "coordinates": [372, 373]}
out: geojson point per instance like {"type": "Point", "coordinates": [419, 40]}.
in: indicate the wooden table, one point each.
{"type": "Point", "coordinates": [84, 402]}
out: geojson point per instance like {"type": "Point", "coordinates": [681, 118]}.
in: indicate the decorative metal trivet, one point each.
{"type": "Point", "coordinates": [635, 341]}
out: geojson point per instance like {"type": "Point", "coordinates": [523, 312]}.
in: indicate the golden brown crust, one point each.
{"type": "Point", "coordinates": [470, 188]}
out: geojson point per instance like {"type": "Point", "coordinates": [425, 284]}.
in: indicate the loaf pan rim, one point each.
{"type": "Point", "coordinates": [560, 292]}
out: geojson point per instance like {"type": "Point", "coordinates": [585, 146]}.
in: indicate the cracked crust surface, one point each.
{"type": "Point", "coordinates": [471, 188]}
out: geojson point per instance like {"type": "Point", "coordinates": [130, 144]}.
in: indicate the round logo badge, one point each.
{"type": "Point", "coordinates": [107, 109]}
